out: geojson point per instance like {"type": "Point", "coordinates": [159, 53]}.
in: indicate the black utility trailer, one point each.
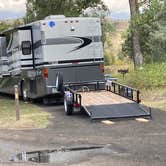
{"type": "Point", "coordinates": [102, 100]}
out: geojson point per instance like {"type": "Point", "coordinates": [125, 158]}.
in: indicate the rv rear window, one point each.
{"type": "Point", "coordinates": [26, 47]}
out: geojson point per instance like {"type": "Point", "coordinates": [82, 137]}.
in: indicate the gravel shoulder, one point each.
{"type": "Point", "coordinates": [132, 142]}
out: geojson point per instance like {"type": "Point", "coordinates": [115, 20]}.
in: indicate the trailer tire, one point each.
{"type": "Point", "coordinates": [59, 82]}
{"type": "Point", "coordinates": [68, 107]}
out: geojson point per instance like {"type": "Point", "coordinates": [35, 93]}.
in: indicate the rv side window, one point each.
{"type": "Point", "coordinates": [26, 47]}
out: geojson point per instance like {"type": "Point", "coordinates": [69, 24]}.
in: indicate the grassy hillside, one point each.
{"type": "Point", "coordinates": [149, 79]}
{"type": "Point", "coordinates": [113, 50]}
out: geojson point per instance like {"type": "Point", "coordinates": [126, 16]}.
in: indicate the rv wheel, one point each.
{"type": "Point", "coordinates": [59, 82]}
{"type": "Point", "coordinates": [24, 92]}
{"type": "Point", "coordinates": [45, 101]}
{"type": "Point", "coordinates": [68, 107]}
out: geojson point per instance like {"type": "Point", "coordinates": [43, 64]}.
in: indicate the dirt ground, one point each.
{"type": "Point", "coordinates": [132, 143]}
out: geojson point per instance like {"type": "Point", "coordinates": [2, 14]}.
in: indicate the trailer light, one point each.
{"type": "Point", "coordinates": [45, 72]}
{"type": "Point", "coordinates": [76, 105]}
{"type": "Point", "coordinates": [102, 68]}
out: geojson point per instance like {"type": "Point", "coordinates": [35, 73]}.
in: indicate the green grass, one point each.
{"type": "Point", "coordinates": [31, 116]}
{"type": "Point", "coordinates": [149, 79]}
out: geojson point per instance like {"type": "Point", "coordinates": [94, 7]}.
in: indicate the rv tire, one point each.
{"type": "Point", "coordinates": [24, 92]}
{"type": "Point", "coordinates": [45, 101]}
{"type": "Point", "coordinates": [59, 82]}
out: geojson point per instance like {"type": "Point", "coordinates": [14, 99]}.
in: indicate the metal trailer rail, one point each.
{"type": "Point", "coordinates": [124, 91]}
{"type": "Point", "coordinates": [114, 102]}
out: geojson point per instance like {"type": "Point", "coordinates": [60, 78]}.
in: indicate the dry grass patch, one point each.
{"type": "Point", "coordinates": [155, 98]}
{"type": "Point", "coordinates": [31, 116]}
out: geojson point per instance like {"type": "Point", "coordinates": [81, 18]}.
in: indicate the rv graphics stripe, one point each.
{"type": "Point", "coordinates": [22, 60]}
{"type": "Point", "coordinates": [26, 66]}
{"type": "Point", "coordinates": [4, 63]}
{"type": "Point", "coordinates": [81, 60]}
{"type": "Point", "coordinates": [72, 61]}
{"type": "Point", "coordinates": [65, 40]}
{"type": "Point", "coordinates": [22, 66]}
{"type": "Point", "coordinates": [83, 41]}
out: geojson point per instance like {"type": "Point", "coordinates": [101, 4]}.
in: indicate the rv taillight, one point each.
{"type": "Point", "coordinates": [45, 72]}
{"type": "Point", "coordinates": [102, 68]}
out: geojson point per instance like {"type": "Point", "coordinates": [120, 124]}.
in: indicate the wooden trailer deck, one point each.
{"type": "Point", "coordinates": [107, 105]}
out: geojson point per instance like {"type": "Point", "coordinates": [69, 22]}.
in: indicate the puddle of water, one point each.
{"type": "Point", "coordinates": [65, 155]}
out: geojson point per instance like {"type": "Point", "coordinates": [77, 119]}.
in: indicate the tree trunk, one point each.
{"type": "Point", "coordinates": [137, 54]}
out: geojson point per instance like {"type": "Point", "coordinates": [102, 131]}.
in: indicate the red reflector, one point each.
{"type": "Point", "coordinates": [45, 72]}
{"type": "Point", "coordinates": [102, 68]}
{"type": "Point", "coordinates": [76, 105]}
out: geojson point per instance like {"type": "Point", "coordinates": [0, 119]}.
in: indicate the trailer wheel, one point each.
{"type": "Point", "coordinates": [59, 82]}
{"type": "Point", "coordinates": [68, 107]}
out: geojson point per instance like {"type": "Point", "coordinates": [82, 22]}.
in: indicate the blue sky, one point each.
{"type": "Point", "coordinates": [10, 9]}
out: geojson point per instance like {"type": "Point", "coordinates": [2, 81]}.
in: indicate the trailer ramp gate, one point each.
{"type": "Point", "coordinates": [106, 105]}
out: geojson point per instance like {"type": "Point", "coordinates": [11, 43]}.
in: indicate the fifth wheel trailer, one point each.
{"type": "Point", "coordinates": [40, 53]}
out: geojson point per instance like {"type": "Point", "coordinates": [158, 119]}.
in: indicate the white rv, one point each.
{"type": "Point", "coordinates": [39, 54]}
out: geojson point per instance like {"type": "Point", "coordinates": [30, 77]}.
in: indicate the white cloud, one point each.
{"type": "Point", "coordinates": [12, 5]}
{"type": "Point", "coordinates": [118, 6]}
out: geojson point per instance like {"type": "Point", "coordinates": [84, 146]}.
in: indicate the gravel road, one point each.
{"type": "Point", "coordinates": [131, 142]}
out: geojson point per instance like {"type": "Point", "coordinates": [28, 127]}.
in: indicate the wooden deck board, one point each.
{"type": "Point", "coordinates": [102, 98]}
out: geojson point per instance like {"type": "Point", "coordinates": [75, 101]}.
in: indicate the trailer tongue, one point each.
{"type": "Point", "coordinates": [117, 101]}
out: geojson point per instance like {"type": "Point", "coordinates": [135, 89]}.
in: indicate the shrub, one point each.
{"type": "Point", "coordinates": [149, 76]}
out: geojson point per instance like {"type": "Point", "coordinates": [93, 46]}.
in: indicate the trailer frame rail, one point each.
{"type": "Point", "coordinates": [124, 91]}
